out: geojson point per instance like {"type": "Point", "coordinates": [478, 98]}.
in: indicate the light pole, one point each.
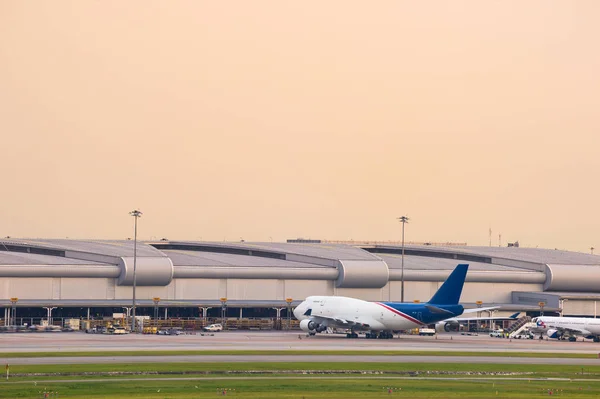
{"type": "Point", "coordinates": [223, 311]}
{"type": "Point", "coordinates": [479, 305]}
{"type": "Point", "coordinates": [403, 220]}
{"type": "Point", "coordinates": [289, 312]}
{"type": "Point", "coordinates": [136, 214]}
{"type": "Point", "coordinates": [156, 300]}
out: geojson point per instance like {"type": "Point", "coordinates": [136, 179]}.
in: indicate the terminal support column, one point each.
{"type": "Point", "coordinates": [49, 314]}
{"type": "Point", "coordinates": [278, 320]}
{"type": "Point", "coordinates": [204, 314]}
{"type": "Point", "coordinates": [13, 317]}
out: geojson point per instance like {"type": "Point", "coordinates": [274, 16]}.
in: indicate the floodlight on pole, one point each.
{"type": "Point", "coordinates": [223, 311]}
{"type": "Point", "coordinates": [289, 312]}
{"type": "Point", "coordinates": [403, 220]}
{"type": "Point", "coordinates": [136, 214]}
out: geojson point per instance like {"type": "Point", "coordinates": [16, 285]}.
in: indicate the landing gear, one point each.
{"type": "Point", "coordinates": [572, 339]}
{"type": "Point", "coordinates": [596, 339]}
{"type": "Point", "coordinates": [380, 335]}
{"type": "Point", "coordinates": [352, 335]}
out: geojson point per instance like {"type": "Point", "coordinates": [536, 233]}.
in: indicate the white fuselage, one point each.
{"type": "Point", "coordinates": [583, 324]}
{"type": "Point", "coordinates": [376, 315]}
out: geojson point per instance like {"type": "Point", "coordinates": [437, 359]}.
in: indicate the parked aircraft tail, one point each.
{"type": "Point", "coordinates": [449, 292]}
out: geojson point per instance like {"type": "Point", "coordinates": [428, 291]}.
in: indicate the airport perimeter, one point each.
{"type": "Point", "coordinates": [252, 288]}
{"type": "Point", "coordinates": [47, 279]}
{"type": "Point", "coordinates": [282, 364]}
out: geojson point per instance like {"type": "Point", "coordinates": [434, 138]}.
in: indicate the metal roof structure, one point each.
{"type": "Point", "coordinates": [193, 258]}
{"type": "Point", "coordinates": [16, 258]}
{"type": "Point", "coordinates": [394, 261]}
{"type": "Point", "coordinates": [194, 273]}
{"type": "Point", "coordinates": [533, 255]}
{"type": "Point", "coordinates": [114, 248]}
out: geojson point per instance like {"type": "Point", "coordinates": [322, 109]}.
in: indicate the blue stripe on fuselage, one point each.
{"type": "Point", "coordinates": [420, 312]}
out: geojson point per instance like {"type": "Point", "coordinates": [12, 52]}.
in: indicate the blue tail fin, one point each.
{"type": "Point", "coordinates": [514, 316]}
{"type": "Point", "coordinates": [449, 292]}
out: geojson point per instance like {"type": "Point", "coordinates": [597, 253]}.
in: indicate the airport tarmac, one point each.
{"type": "Point", "coordinates": [299, 358]}
{"type": "Point", "coordinates": [278, 340]}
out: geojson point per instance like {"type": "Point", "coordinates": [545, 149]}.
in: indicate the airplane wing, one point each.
{"type": "Point", "coordinates": [437, 310]}
{"type": "Point", "coordinates": [475, 310]}
{"type": "Point", "coordinates": [569, 331]}
{"type": "Point", "coordinates": [340, 322]}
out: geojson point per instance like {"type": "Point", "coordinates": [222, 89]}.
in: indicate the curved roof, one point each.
{"type": "Point", "coordinates": [116, 248]}
{"type": "Point", "coordinates": [295, 260]}
{"type": "Point", "coordinates": [394, 261]}
{"type": "Point", "coordinates": [533, 255]}
{"type": "Point", "coordinates": [15, 258]}
{"type": "Point", "coordinates": [194, 258]}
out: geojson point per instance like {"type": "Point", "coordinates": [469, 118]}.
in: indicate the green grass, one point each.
{"type": "Point", "coordinates": [261, 384]}
{"type": "Point", "coordinates": [298, 352]}
{"type": "Point", "coordinates": [223, 368]}
{"type": "Point", "coordinates": [308, 388]}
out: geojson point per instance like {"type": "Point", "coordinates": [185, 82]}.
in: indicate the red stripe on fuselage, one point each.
{"type": "Point", "coordinates": [399, 313]}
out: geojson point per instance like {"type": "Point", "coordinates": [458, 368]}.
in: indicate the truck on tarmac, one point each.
{"type": "Point", "coordinates": [427, 331]}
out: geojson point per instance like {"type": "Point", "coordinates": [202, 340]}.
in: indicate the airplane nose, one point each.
{"type": "Point", "coordinates": [298, 311]}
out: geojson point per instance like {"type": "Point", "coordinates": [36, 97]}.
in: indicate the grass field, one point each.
{"type": "Point", "coordinates": [297, 352]}
{"type": "Point", "coordinates": [26, 372]}
{"type": "Point", "coordinates": [306, 388]}
{"type": "Point", "coordinates": [302, 380]}
{"type": "Point", "coordinates": [285, 380]}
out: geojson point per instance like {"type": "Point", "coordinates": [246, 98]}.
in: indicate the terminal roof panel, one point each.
{"type": "Point", "coordinates": [535, 255]}
{"type": "Point", "coordinates": [18, 258]}
{"type": "Point", "coordinates": [116, 248]}
{"type": "Point", "coordinates": [394, 261]}
{"type": "Point", "coordinates": [327, 251]}
{"type": "Point", "coordinates": [195, 258]}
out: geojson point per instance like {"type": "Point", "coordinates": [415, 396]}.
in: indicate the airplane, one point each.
{"type": "Point", "coordinates": [567, 327]}
{"type": "Point", "coordinates": [453, 324]}
{"type": "Point", "coordinates": [380, 319]}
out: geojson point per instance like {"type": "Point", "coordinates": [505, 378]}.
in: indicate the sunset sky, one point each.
{"type": "Point", "coordinates": [273, 120]}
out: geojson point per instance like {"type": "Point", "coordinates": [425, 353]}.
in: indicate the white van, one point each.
{"type": "Point", "coordinates": [117, 330]}
{"type": "Point", "coordinates": [213, 327]}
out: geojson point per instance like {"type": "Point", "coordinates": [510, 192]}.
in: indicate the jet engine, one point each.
{"type": "Point", "coordinates": [308, 325]}
{"type": "Point", "coordinates": [447, 326]}
{"type": "Point", "coordinates": [554, 334]}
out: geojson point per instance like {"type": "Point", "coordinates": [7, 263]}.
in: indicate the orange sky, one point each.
{"type": "Point", "coordinates": [273, 120]}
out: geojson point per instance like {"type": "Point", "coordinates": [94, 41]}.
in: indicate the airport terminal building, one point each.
{"type": "Point", "coordinates": [190, 279]}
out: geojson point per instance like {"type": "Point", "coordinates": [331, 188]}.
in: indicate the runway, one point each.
{"type": "Point", "coordinates": [299, 358]}
{"type": "Point", "coordinates": [277, 340]}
